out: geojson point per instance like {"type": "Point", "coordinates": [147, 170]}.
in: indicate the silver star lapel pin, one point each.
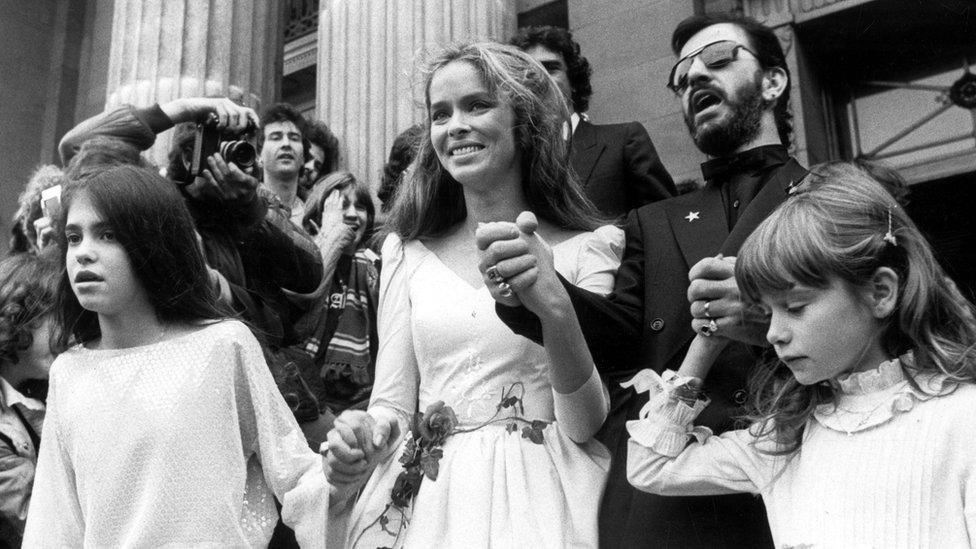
{"type": "Point", "coordinates": [692, 216]}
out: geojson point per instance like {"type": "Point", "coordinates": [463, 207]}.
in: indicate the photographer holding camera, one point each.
{"type": "Point", "coordinates": [245, 231]}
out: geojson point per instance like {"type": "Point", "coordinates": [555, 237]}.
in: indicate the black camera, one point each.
{"type": "Point", "coordinates": [233, 148]}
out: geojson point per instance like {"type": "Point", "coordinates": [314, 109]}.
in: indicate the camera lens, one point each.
{"type": "Point", "coordinates": [238, 152]}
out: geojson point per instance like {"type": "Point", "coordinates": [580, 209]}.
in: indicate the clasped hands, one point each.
{"type": "Point", "coordinates": [524, 261]}
{"type": "Point", "coordinates": [716, 306]}
{"type": "Point", "coordinates": [516, 264]}
{"type": "Point", "coordinates": [353, 448]}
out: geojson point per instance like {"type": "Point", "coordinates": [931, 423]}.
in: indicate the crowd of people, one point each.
{"type": "Point", "coordinates": [537, 342]}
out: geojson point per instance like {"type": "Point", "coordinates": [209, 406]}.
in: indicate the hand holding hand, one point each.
{"type": "Point", "coordinates": [717, 307]}
{"type": "Point", "coordinates": [526, 265]}
{"type": "Point", "coordinates": [502, 249]}
{"type": "Point", "coordinates": [353, 448]}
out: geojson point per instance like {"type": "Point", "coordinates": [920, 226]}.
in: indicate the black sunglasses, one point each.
{"type": "Point", "coordinates": [714, 55]}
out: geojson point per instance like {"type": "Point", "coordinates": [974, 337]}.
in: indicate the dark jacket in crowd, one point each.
{"type": "Point", "coordinates": [618, 167]}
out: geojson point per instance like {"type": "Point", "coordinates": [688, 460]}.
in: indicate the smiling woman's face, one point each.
{"type": "Point", "coordinates": [471, 129]}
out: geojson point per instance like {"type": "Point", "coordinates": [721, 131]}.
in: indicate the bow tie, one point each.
{"type": "Point", "coordinates": [752, 160]}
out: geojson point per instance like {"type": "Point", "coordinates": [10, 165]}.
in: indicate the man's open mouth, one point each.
{"type": "Point", "coordinates": [704, 99]}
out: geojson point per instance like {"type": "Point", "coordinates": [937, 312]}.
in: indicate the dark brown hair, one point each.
{"type": "Point", "coordinates": [151, 222]}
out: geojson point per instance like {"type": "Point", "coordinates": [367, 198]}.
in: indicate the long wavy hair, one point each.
{"type": "Point", "coordinates": [430, 202]}
{"type": "Point", "coordinates": [837, 230]}
{"type": "Point", "coordinates": [151, 222]}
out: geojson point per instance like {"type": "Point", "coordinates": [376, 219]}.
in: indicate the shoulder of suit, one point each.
{"type": "Point", "coordinates": [621, 127]}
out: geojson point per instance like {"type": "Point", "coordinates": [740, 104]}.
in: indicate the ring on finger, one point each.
{"type": "Point", "coordinates": [504, 289]}
{"type": "Point", "coordinates": [708, 329]}
{"type": "Point", "coordinates": [707, 315]}
{"type": "Point", "coordinates": [493, 275]}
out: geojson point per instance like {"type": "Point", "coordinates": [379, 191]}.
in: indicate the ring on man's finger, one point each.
{"type": "Point", "coordinates": [504, 289]}
{"type": "Point", "coordinates": [706, 310]}
{"type": "Point", "coordinates": [708, 329]}
{"type": "Point", "coordinates": [493, 274]}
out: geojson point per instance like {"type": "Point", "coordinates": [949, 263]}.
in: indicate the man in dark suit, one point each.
{"type": "Point", "coordinates": [616, 163]}
{"type": "Point", "coordinates": [733, 83]}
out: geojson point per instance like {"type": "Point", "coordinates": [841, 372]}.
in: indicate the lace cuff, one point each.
{"type": "Point", "coordinates": [665, 421]}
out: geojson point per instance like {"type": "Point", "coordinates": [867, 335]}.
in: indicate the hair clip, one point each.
{"type": "Point", "coordinates": [889, 236]}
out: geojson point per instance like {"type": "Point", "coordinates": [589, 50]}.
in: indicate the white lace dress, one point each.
{"type": "Point", "coordinates": [441, 340]}
{"type": "Point", "coordinates": [182, 443]}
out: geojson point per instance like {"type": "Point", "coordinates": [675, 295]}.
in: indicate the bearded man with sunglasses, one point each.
{"type": "Point", "coordinates": [733, 83]}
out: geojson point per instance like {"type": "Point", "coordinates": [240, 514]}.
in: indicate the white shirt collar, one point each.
{"type": "Point", "coordinates": [575, 120]}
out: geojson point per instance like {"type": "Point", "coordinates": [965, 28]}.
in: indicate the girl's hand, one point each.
{"type": "Point", "coordinates": [353, 448]}
{"type": "Point", "coordinates": [332, 234]}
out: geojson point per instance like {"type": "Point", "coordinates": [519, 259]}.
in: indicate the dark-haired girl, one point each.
{"type": "Point", "coordinates": [164, 424]}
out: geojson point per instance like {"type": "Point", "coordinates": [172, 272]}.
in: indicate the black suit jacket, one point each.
{"type": "Point", "coordinates": [648, 311]}
{"type": "Point", "coordinates": [618, 167]}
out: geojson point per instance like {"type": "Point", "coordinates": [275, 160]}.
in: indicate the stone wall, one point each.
{"type": "Point", "coordinates": [628, 45]}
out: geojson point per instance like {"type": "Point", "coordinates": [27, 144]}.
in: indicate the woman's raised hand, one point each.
{"type": "Point", "coordinates": [333, 235]}
{"type": "Point", "coordinates": [514, 254]}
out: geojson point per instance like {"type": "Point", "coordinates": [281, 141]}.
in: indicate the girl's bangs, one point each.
{"type": "Point", "coordinates": [787, 249]}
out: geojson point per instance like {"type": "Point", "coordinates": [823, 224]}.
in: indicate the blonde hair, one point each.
{"type": "Point", "coordinates": [846, 227]}
{"type": "Point", "coordinates": [430, 201]}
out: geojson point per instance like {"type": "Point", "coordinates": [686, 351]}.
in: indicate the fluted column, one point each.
{"type": "Point", "coordinates": [368, 87]}
{"type": "Point", "coordinates": [164, 49]}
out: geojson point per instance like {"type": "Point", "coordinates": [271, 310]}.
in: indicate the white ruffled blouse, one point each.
{"type": "Point", "coordinates": [888, 464]}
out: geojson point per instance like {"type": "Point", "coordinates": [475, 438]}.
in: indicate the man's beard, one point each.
{"type": "Point", "coordinates": [743, 125]}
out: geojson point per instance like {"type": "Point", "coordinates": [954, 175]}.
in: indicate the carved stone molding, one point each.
{"type": "Point", "coordinates": [301, 53]}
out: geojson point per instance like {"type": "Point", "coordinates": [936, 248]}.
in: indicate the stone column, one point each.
{"type": "Point", "coordinates": [368, 88]}
{"type": "Point", "coordinates": [164, 49]}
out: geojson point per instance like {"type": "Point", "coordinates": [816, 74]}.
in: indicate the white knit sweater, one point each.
{"type": "Point", "coordinates": [887, 467]}
{"type": "Point", "coordinates": [182, 443]}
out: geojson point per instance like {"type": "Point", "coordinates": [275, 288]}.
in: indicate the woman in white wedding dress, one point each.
{"type": "Point", "coordinates": [494, 148]}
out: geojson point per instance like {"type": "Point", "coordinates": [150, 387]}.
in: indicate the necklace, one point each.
{"type": "Point", "coordinates": [842, 421]}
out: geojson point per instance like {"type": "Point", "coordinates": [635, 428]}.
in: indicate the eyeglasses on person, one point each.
{"type": "Point", "coordinates": [714, 56]}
